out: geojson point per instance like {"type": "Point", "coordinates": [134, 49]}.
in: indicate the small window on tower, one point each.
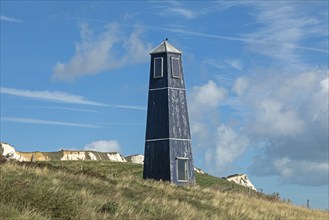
{"type": "Point", "coordinates": [175, 67]}
{"type": "Point", "coordinates": [158, 67]}
{"type": "Point", "coordinates": [182, 174]}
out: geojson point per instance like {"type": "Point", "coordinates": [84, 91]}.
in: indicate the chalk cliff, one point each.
{"type": "Point", "coordinates": [11, 154]}
{"type": "Point", "coordinates": [242, 180]}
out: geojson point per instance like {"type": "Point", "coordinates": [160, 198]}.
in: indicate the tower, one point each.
{"type": "Point", "coordinates": [168, 152]}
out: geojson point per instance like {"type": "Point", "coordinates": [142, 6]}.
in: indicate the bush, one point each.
{"type": "Point", "coordinates": [109, 207]}
{"type": "Point", "coordinates": [3, 159]}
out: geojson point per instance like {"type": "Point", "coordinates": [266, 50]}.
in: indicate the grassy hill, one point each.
{"type": "Point", "coordinates": [112, 190]}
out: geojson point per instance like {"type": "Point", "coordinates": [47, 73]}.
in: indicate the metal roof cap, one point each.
{"type": "Point", "coordinates": [165, 47]}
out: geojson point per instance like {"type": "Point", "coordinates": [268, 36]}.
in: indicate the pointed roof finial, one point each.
{"type": "Point", "coordinates": [166, 39]}
{"type": "Point", "coordinates": [165, 47]}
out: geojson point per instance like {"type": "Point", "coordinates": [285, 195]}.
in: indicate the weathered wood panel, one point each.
{"type": "Point", "coordinates": [157, 160]}
{"type": "Point", "coordinates": [178, 117]}
{"type": "Point", "coordinates": [157, 125]}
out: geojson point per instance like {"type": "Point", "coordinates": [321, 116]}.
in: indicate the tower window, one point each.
{"type": "Point", "coordinates": [182, 174]}
{"type": "Point", "coordinates": [175, 67]}
{"type": "Point", "coordinates": [158, 67]}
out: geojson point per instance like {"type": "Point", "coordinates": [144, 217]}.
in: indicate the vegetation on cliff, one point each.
{"type": "Point", "coordinates": [107, 190]}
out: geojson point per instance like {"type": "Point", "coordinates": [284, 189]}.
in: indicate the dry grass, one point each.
{"type": "Point", "coordinates": [109, 190]}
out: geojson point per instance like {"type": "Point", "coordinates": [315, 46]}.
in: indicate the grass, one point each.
{"type": "Point", "coordinates": [112, 190]}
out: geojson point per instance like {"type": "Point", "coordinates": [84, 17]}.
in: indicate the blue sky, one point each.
{"type": "Point", "coordinates": [74, 75]}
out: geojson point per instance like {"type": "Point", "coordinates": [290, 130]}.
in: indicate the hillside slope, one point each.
{"type": "Point", "coordinates": [104, 189]}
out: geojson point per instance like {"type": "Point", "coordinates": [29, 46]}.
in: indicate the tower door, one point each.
{"type": "Point", "coordinates": [182, 169]}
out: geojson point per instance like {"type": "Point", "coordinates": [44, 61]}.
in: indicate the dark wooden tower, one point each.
{"type": "Point", "coordinates": [168, 153]}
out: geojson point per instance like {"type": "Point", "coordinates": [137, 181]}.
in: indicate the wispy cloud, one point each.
{"type": "Point", "coordinates": [109, 49]}
{"type": "Point", "coordinates": [63, 97]}
{"type": "Point", "coordinates": [227, 63]}
{"type": "Point", "coordinates": [183, 12]}
{"type": "Point", "coordinates": [53, 96]}
{"type": "Point", "coordinates": [246, 39]}
{"type": "Point", "coordinates": [47, 122]}
{"type": "Point", "coordinates": [10, 19]}
{"type": "Point", "coordinates": [188, 11]}
{"type": "Point", "coordinates": [63, 108]}
{"type": "Point", "coordinates": [128, 107]}
{"type": "Point", "coordinates": [283, 27]}
{"type": "Point", "coordinates": [122, 124]}
{"type": "Point", "coordinates": [174, 8]}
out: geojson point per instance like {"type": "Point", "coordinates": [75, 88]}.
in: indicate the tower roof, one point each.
{"type": "Point", "coordinates": [165, 47]}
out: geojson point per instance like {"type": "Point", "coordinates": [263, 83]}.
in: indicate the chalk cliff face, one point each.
{"type": "Point", "coordinates": [10, 153]}
{"type": "Point", "coordinates": [137, 158]}
{"type": "Point", "coordinates": [198, 170]}
{"type": "Point", "coordinates": [242, 180]}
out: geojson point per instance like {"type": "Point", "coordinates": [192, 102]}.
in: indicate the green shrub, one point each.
{"type": "Point", "coordinates": [109, 207]}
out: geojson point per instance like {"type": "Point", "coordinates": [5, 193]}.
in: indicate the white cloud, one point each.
{"type": "Point", "coordinates": [54, 96]}
{"type": "Point", "coordinates": [204, 100]}
{"type": "Point", "coordinates": [103, 146]}
{"type": "Point", "coordinates": [240, 85]}
{"type": "Point", "coordinates": [220, 144]}
{"type": "Point", "coordinates": [104, 51]}
{"type": "Point", "coordinates": [284, 104]}
{"type": "Point", "coordinates": [288, 111]}
{"type": "Point", "coordinates": [297, 171]}
{"type": "Point", "coordinates": [203, 106]}
{"type": "Point", "coordinates": [205, 97]}
{"type": "Point", "coordinates": [47, 122]}
{"type": "Point", "coordinates": [229, 146]}
{"type": "Point", "coordinates": [199, 130]}
{"type": "Point", "coordinates": [10, 19]}
{"type": "Point", "coordinates": [208, 95]}
{"type": "Point", "coordinates": [272, 119]}
{"type": "Point", "coordinates": [320, 102]}
{"type": "Point", "coordinates": [325, 84]}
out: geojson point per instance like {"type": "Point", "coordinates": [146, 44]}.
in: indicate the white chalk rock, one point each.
{"type": "Point", "coordinates": [116, 157]}
{"type": "Point", "coordinates": [198, 170]}
{"type": "Point", "coordinates": [92, 156]}
{"type": "Point", "coordinates": [73, 155]}
{"type": "Point", "coordinates": [137, 158]}
{"type": "Point", "coordinates": [9, 152]}
{"type": "Point", "coordinates": [242, 180]}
